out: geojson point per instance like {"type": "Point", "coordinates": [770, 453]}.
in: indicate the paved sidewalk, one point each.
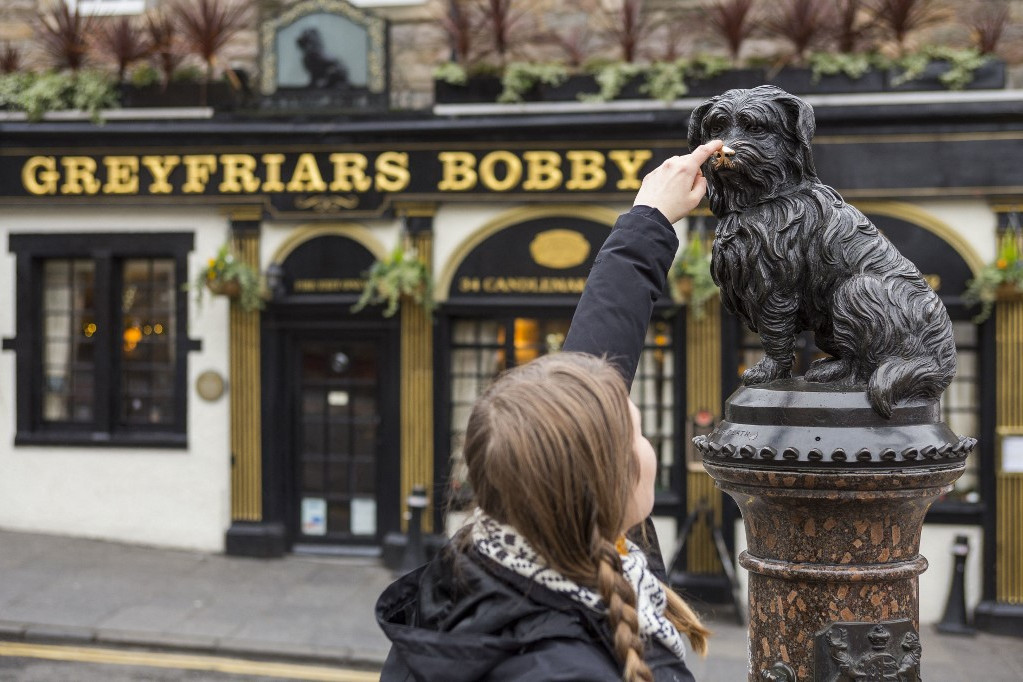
{"type": "Point", "coordinates": [300, 607]}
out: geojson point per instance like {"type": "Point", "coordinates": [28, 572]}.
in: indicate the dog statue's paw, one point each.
{"type": "Point", "coordinates": [768, 369]}
{"type": "Point", "coordinates": [831, 370]}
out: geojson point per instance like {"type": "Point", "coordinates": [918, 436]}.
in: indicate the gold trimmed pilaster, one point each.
{"type": "Point", "coordinates": [703, 392]}
{"type": "Point", "coordinates": [1008, 486]}
{"type": "Point", "coordinates": [245, 393]}
{"type": "Point", "coordinates": [417, 391]}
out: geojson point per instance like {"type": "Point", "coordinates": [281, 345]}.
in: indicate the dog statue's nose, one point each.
{"type": "Point", "coordinates": [722, 157]}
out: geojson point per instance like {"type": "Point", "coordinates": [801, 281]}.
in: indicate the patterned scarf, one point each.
{"type": "Point", "coordinates": [503, 544]}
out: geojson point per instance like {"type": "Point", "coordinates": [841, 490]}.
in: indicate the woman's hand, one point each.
{"type": "Point", "coordinates": [676, 186]}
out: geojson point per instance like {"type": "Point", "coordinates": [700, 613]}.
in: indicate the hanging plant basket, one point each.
{"type": "Point", "coordinates": [682, 289]}
{"type": "Point", "coordinates": [230, 288]}
{"type": "Point", "coordinates": [1007, 292]}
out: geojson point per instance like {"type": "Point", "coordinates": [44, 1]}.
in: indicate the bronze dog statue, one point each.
{"type": "Point", "coordinates": [790, 255]}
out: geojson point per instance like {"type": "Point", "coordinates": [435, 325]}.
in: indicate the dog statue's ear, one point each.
{"type": "Point", "coordinates": [696, 122]}
{"type": "Point", "coordinates": [804, 125]}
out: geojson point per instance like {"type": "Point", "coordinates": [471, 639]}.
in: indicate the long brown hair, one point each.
{"type": "Point", "coordinates": [549, 448]}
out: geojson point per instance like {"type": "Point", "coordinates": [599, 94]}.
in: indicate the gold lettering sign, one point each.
{"type": "Point", "coordinates": [559, 249]}
{"type": "Point", "coordinates": [320, 286]}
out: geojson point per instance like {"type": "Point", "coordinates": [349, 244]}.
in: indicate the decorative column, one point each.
{"type": "Point", "coordinates": [247, 536]}
{"type": "Point", "coordinates": [1004, 614]}
{"type": "Point", "coordinates": [703, 394]}
{"type": "Point", "coordinates": [417, 403]}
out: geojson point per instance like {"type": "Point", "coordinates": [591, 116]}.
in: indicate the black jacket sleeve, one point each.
{"type": "Point", "coordinates": [628, 276]}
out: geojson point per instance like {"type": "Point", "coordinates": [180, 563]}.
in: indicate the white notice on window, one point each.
{"type": "Point", "coordinates": [337, 398]}
{"type": "Point", "coordinates": [314, 516]}
{"type": "Point", "coordinates": [364, 516]}
{"type": "Point", "coordinates": [1012, 454]}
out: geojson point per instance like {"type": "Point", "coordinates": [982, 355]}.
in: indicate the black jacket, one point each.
{"type": "Point", "coordinates": [463, 617]}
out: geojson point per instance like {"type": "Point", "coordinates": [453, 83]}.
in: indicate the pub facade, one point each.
{"type": "Point", "coordinates": [143, 408]}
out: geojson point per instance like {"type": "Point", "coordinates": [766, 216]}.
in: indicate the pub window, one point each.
{"type": "Point", "coordinates": [482, 348]}
{"type": "Point", "coordinates": [100, 338]}
{"type": "Point", "coordinates": [108, 7]}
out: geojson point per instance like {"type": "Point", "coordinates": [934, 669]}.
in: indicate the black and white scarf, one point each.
{"type": "Point", "coordinates": [503, 544]}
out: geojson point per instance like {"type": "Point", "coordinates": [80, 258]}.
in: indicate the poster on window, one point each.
{"type": "Point", "coordinates": [314, 516]}
{"type": "Point", "coordinates": [364, 516]}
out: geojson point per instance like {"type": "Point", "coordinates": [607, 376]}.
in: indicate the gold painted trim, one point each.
{"type": "Point", "coordinates": [490, 145]}
{"type": "Point", "coordinates": [921, 218]}
{"type": "Point", "coordinates": [304, 233]}
{"type": "Point", "coordinates": [598, 214]}
{"type": "Point", "coordinates": [415, 209]}
{"type": "Point", "coordinates": [244, 212]}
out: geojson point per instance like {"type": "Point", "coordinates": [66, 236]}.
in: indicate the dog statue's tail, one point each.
{"type": "Point", "coordinates": [898, 378]}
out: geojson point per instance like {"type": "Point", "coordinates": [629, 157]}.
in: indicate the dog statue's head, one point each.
{"type": "Point", "coordinates": [770, 132]}
{"type": "Point", "coordinates": [310, 41]}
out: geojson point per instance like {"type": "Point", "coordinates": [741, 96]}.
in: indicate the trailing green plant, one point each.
{"type": "Point", "coordinates": [226, 274]}
{"type": "Point", "coordinates": [691, 278]}
{"type": "Point", "coordinates": [35, 94]}
{"type": "Point", "coordinates": [451, 73]}
{"type": "Point", "coordinates": [854, 65]}
{"type": "Point", "coordinates": [402, 273]}
{"type": "Point", "coordinates": [187, 74]}
{"type": "Point", "coordinates": [666, 81]}
{"type": "Point", "coordinates": [521, 77]}
{"type": "Point", "coordinates": [962, 63]}
{"type": "Point", "coordinates": [144, 75]}
{"type": "Point", "coordinates": [611, 78]}
{"type": "Point", "coordinates": [703, 66]}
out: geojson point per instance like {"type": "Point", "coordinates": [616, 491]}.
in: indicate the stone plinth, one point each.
{"type": "Point", "coordinates": [833, 497]}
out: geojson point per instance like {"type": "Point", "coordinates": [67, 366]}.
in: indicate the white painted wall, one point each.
{"type": "Point", "coordinates": [169, 498]}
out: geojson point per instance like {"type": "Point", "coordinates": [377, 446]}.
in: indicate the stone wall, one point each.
{"type": "Point", "coordinates": [543, 29]}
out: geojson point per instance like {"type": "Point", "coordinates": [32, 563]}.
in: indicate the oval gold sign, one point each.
{"type": "Point", "coordinates": [559, 249]}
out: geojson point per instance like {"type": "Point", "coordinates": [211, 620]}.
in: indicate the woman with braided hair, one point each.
{"type": "Point", "coordinates": [542, 584]}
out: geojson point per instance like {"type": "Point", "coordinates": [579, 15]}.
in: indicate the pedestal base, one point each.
{"type": "Point", "coordinates": [833, 499]}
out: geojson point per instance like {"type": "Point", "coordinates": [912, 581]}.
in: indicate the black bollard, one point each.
{"type": "Point", "coordinates": [414, 555]}
{"type": "Point", "coordinates": [954, 620]}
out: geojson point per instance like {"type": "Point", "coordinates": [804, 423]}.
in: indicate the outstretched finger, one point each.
{"type": "Point", "coordinates": [704, 151]}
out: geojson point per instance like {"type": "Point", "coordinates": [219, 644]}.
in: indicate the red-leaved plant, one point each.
{"type": "Point", "coordinates": [10, 59]}
{"type": "Point", "coordinates": [460, 22]}
{"type": "Point", "coordinates": [803, 23]}
{"type": "Point", "coordinates": [207, 26]}
{"type": "Point", "coordinates": [165, 50]}
{"type": "Point", "coordinates": [64, 35]}
{"type": "Point", "coordinates": [733, 22]}
{"type": "Point", "coordinates": [899, 18]}
{"type": "Point", "coordinates": [987, 23]}
{"type": "Point", "coordinates": [123, 41]}
{"type": "Point", "coordinates": [626, 26]}
{"type": "Point", "coordinates": [850, 28]}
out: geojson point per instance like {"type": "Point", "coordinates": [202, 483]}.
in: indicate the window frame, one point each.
{"type": "Point", "coordinates": [108, 7]}
{"type": "Point", "coordinates": [106, 251]}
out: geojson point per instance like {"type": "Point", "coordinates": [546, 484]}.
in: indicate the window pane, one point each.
{"type": "Point", "coordinates": [148, 363]}
{"type": "Point", "coordinates": [69, 328]}
{"type": "Point", "coordinates": [653, 393]}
